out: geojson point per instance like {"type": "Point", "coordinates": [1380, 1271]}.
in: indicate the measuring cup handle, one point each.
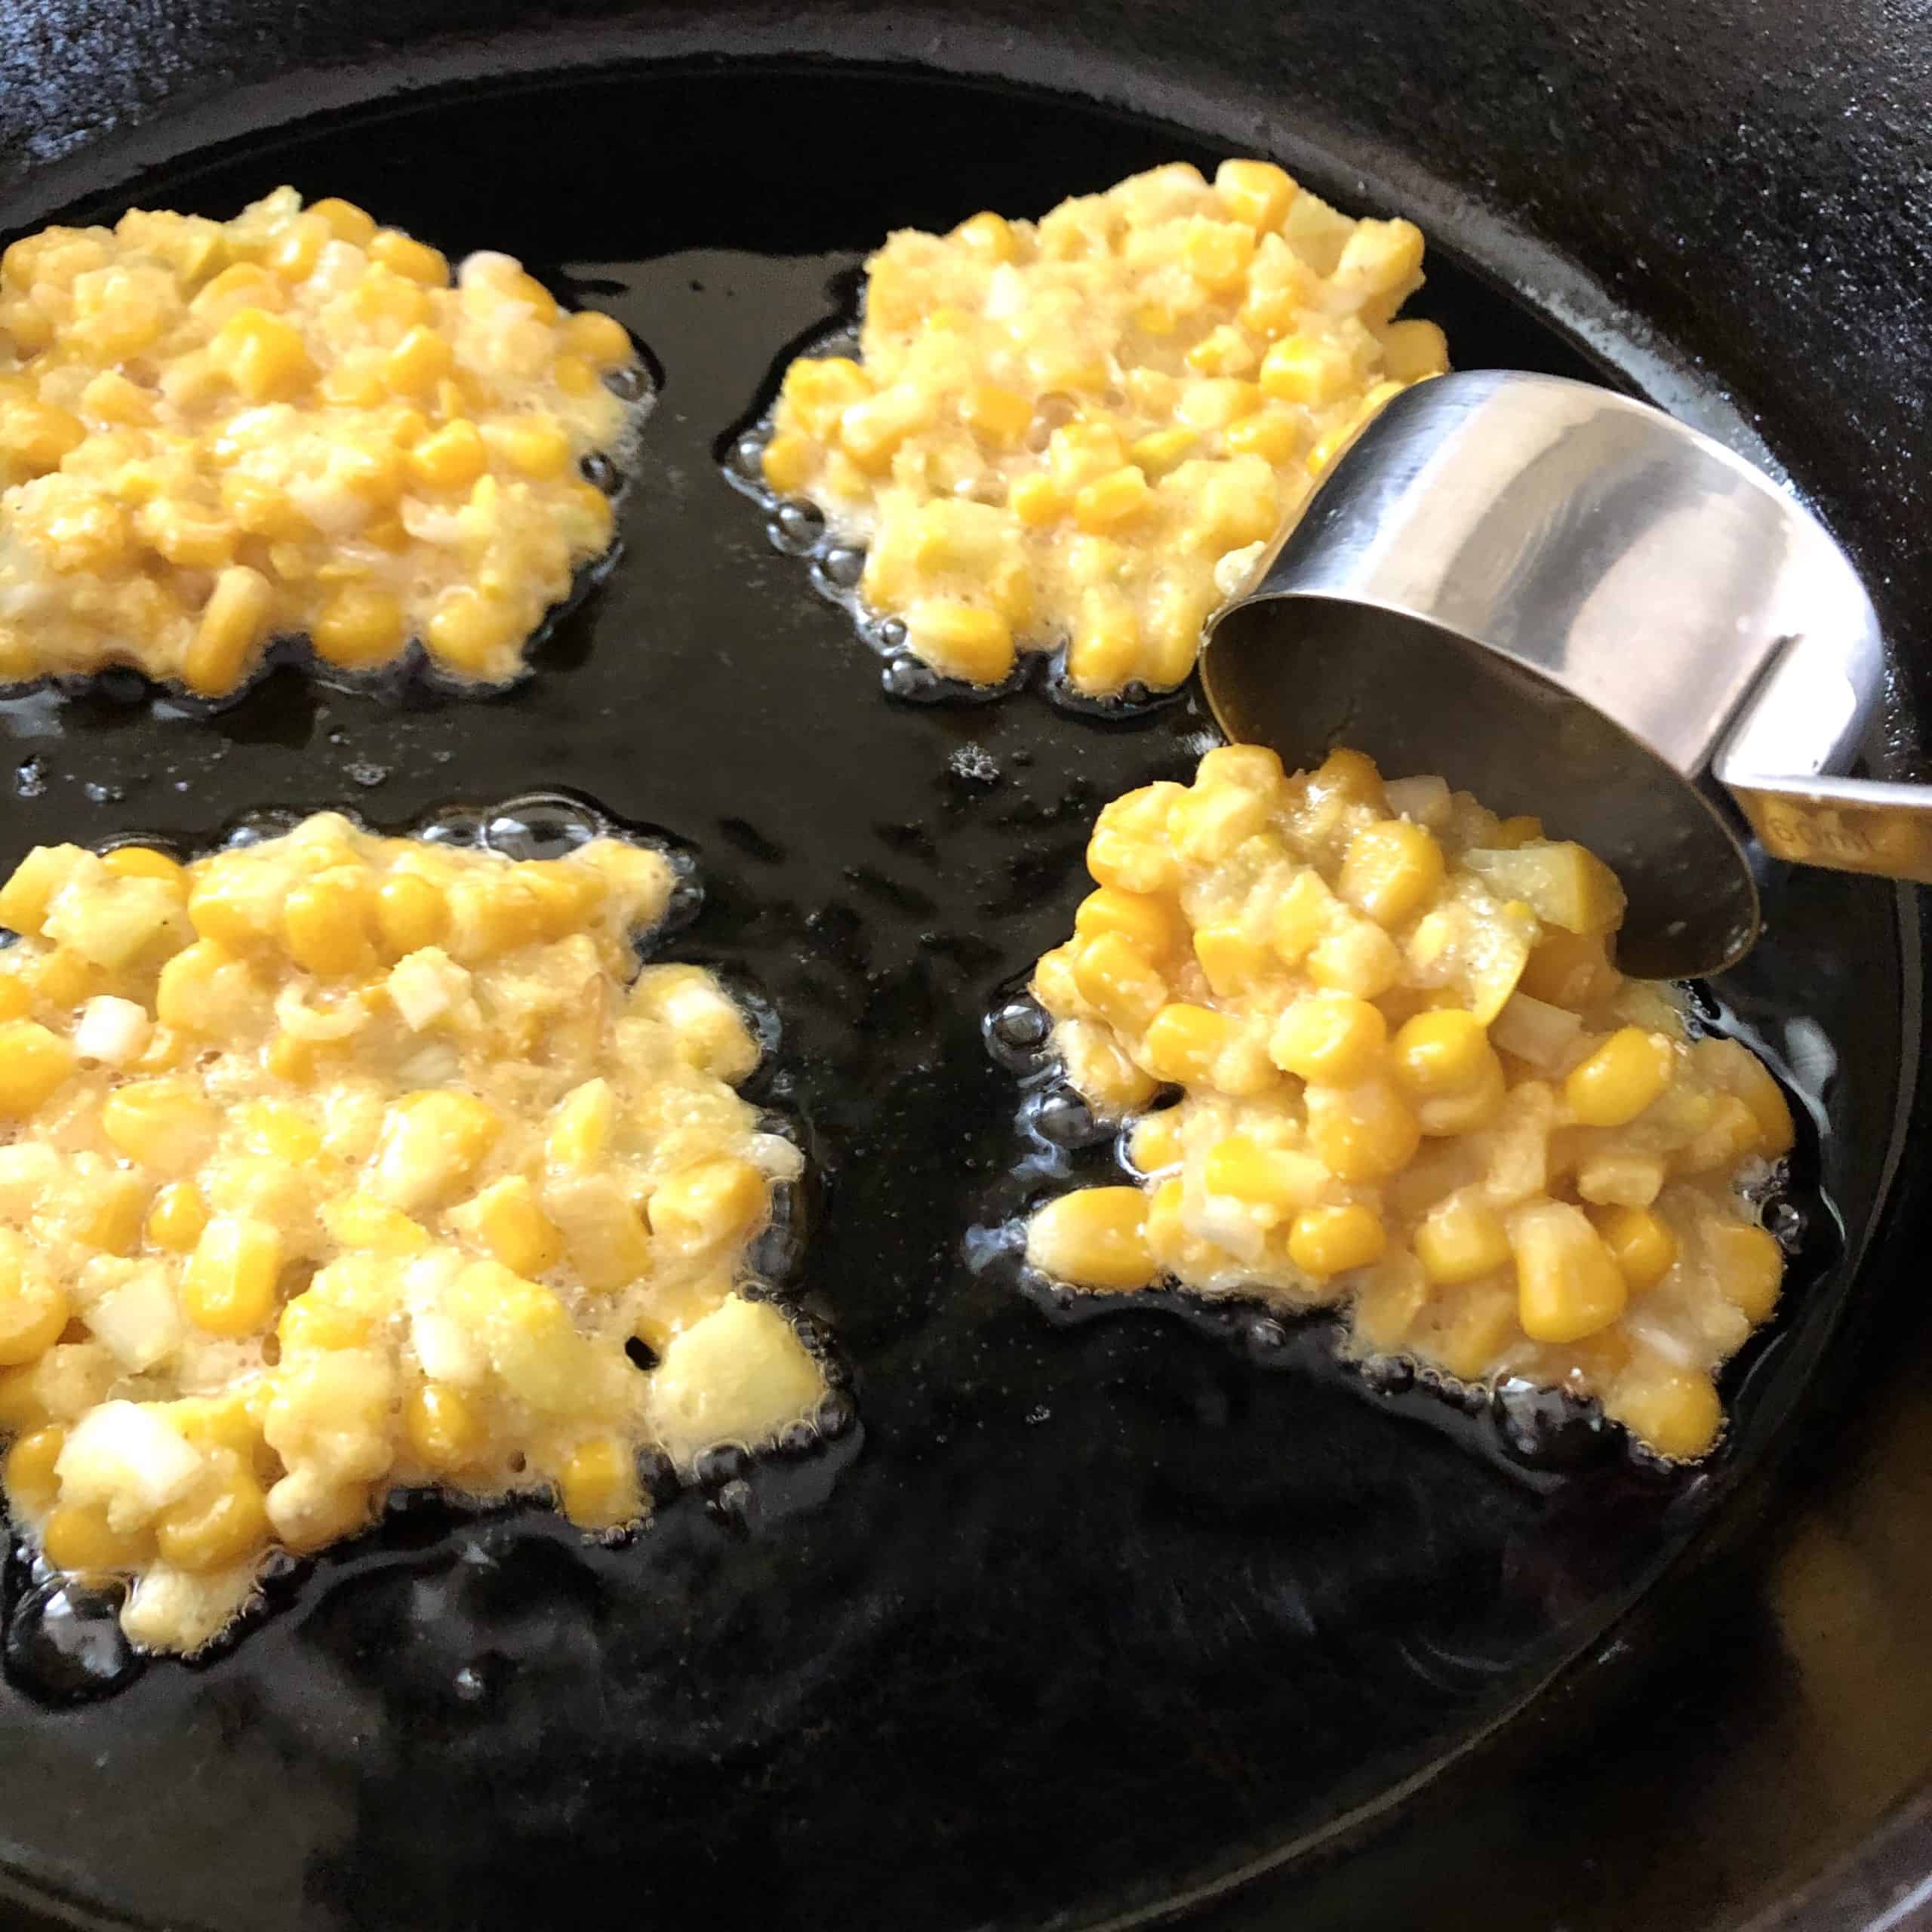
{"type": "Point", "coordinates": [1849, 824]}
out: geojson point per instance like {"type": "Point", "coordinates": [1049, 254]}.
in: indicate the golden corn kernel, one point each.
{"type": "Point", "coordinates": [1152, 920]}
{"type": "Point", "coordinates": [1391, 871]}
{"type": "Point", "coordinates": [1412, 350]}
{"type": "Point", "coordinates": [1749, 1266]}
{"type": "Point", "coordinates": [229, 1285]}
{"type": "Point", "coordinates": [535, 446]}
{"type": "Point", "coordinates": [597, 1486]}
{"type": "Point", "coordinates": [34, 1062]}
{"type": "Point", "coordinates": [451, 458]}
{"type": "Point", "coordinates": [222, 1520]}
{"type": "Point", "coordinates": [582, 1127]}
{"type": "Point", "coordinates": [1255, 192]}
{"type": "Point", "coordinates": [178, 1218]}
{"type": "Point", "coordinates": [1567, 1282]}
{"type": "Point", "coordinates": [144, 862]}
{"type": "Point", "coordinates": [411, 914]}
{"type": "Point", "coordinates": [1675, 1411]}
{"type": "Point", "coordinates": [361, 624]}
{"type": "Point", "coordinates": [78, 1538]}
{"type": "Point", "coordinates": [1155, 1142]}
{"type": "Point", "coordinates": [1282, 1179]}
{"type": "Point", "coordinates": [600, 339]}
{"type": "Point", "coordinates": [15, 999]}
{"type": "Point", "coordinates": [1095, 1238]}
{"type": "Point", "coordinates": [163, 1124]}
{"type": "Point", "coordinates": [989, 234]}
{"type": "Point", "coordinates": [1334, 1037]}
{"type": "Point", "coordinates": [1183, 1042]}
{"type": "Point", "coordinates": [1232, 962]}
{"type": "Point", "coordinates": [1622, 1077]}
{"type": "Point", "coordinates": [1112, 500]}
{"type": "Point", "coordinates": [402, 255]}
{"type": "Point", "coordinates": [1308, 370]}
{"type": "Point", "coordinates": [262, 355]}
{"type": "Point", "coordinates": [1118, 982]}
{"type": "Point", "coordinates": [361, 1221]}
{"type": "Point", "coordinates": [1036, 500]}
{"type": "Point", "coordinates": [1443, 1051]}
{"type": "Point", "coordinates": [788, 460]}
{"type": "Point", "coordinates": [996, 416]}
{"type": "Point", "coordinates": [311, 1323]}
{"type": "Point", "coordinates": [1330, 1240]}
{"type": "Point", "coordinates": [1362, 1132]}
{"type": "Point", "coordinates": [32, 1485]}
{"type": "Point", "coordinates": [110, 1215]}
{"type": "Point", "coordinates": [507, 1220]}
{"type": "Point", "coordinates": [234, 625]}
{"type": "Point", "coordinates": [1105, 650]}
{"type": "Point", "coordinates": [472, 631]}
{"type": "Point", "coordinates": [715, 1204]}
{"type": "Point", "coordinates": [431, 1142]}
{"type": "Point", "coordinates": [326, 922]}
{"type": "Point", "coordinates": [1356, 957]}
{"type": "Point", "coordinates": [1303, 917]}
{"type": "Point", "coordinates": [34, 436]}
{"type": "Point", "coordinates": [34, 1308]}
{"type": "Point", "coordinates": [1461, 1239]}
{"type": "Point", "coordinates": [1642, 1243]}
{"type": "Point", "coordinates": [961, 641]}
{"type": "Point", "coordinates": [345, 221]}
{"type": "Point", "coordinates": [443, 1429]}
{"type": "Point", "coordinates": [1159, 450]}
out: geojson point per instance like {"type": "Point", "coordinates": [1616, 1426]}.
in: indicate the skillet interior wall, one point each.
{"type": "Point", "coordinates": [1636, 211]}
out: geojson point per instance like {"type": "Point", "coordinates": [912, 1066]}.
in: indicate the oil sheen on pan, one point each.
{"type": "Point", "coordinates": [1086, 1612]}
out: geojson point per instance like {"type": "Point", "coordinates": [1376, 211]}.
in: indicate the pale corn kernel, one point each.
{"type": "Point", "coordinates": [1749, 1266]}
{"type": "Point", "coordinates": [1461, 1239]}
{"type": "Point", "coordinates": [1273, 434]}
{"type": "Point", "coordinates": [1095, 1237]}
{"type": "Point", "coordinates": [1128, 847]}
{"type": "Point", "coordinates": [715, 1203]}
{"type": "Point", "coordinates": [1626, 1074]}
{"type": "Point", "coordinates": [597, 1486]}
{"type": "Point", "coordinates": [34, 1307]}
{"type": "Point", "coordinates": [1106, 645]}
{"type": "Point", "coordinates": [1359, 958]}
{"type": "Point", "coordinates": [229, 1287]}
{"type": "Point", "coordinates": [582, 1126]}
{"type": "Point", "coordinates": [1568, 1283]}
{"type": "Point", "coordinates": [1442, 1052]}
{"type": "Point", "coordinates": [1333, 1037]}
{"type": "Point", "coordinates": [997, 416]}
{"type": "Point", "coordinates": [1118, 982]}
{"type": "Point", "coordinates": [1730, 1133]}
{"type": "Point", "coordinates": [262, 355]}
{"type": "Point", "coordinates": [431, 1142]}
{"type": "Point", "coordinates": [788, 460]}
{"type": "Point", "coordinates": [1645, 1247]}
{"type": "Point", "coordinates": [1155, 1142]}
{"type": "Point", "coordinates": [1326, 1241]}
{"type": "Point", "coordinates": [1391, 871]}
{"type": "Point", "coordinates": [1362, 1132]}
{"type": "Point", "coordinates": [1412, 350]}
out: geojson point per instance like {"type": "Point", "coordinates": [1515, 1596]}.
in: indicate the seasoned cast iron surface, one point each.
{"type": "Point", "coordinates": [1079, 1612]}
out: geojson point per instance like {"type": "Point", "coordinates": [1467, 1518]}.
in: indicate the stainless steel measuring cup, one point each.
{"type": "Point", "coordinates": [1569, 604]}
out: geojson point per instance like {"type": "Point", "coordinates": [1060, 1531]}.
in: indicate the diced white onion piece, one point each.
{"type": "Point", "coordinates": [1425, 799]}
{"type": "Point", "coordinates": [140, 1322]}
{"type": "Point", "coordinates": [112, 1031]}
{"type": "Point", "coordinates": [1547, 1036]}
{"type": "Point", "coordinates": [124, 1456]}
{"type": "Point", "coordinates": [776, 1156]}
{"type": "Point", "coordinates": [1234, 568]}
{"type": "Point", "coordinates": [425, 985]}
{"type": "Point", "coordinates": [447, 1350]}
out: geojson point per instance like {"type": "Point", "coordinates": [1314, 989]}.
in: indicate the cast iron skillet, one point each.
{"type": "Point", "coordinates": [1084, 1621]}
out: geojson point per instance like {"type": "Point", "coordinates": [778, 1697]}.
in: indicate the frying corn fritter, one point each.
{"type": "Point", "coordinates": [294, 423]}
{"type": "Point", "coordinates": [1413, 1085]}
{"type": "Point", "coordinates": [336, 1162]}
{"type": "Point", "coordinates": [1085, 430]}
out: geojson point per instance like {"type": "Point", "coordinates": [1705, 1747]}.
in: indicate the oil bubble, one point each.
{"type": "Point", "coordinates": [540, 824]}
{"type": "Point", "coordinates": [65, 1644]}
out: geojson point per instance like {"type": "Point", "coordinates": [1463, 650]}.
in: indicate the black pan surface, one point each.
{"type": "Point", "coordinates": [1082, 1615]}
